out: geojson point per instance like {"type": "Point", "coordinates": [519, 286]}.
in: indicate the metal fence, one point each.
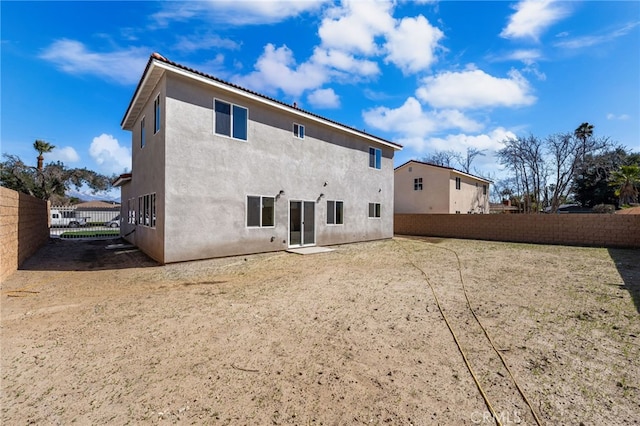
{"type": "Point", "coordinates": [79, 222]}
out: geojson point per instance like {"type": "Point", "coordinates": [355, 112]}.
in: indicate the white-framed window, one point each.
{"type": "Point", "coordinates": [335, 212]}
{"type": "Point", "coordinates": [143, 133]}
{"type": "Point", "coordinates": [417, 184]}
{"type": "Point", "coordinates": [375, 158]}
{"type": "Point", "coordinates": [147, 210]}
{"type": "Point", "coordinates": [156, 115]}
{"type": "Point", "coordinates": [374, 210]}
{"type": "Point", "coordinates": [131, 209]}
{"type": "Point", "coordinates": [298, 130]}
{"type": "Point", "coordinates": [230, 120]}
{"type": "Point", "coordinates": [261, 211]}
{"type": "Point", "coordinates": [458, 183]}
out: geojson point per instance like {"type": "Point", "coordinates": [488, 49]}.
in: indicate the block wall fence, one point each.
{"type": "Point", "coordinates": [24, 228]}
{"type": "Point", "coordinates": [600, 230]}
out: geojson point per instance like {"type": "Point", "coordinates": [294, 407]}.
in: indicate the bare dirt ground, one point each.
{"type": "Point", "coordinates": [354, 336]}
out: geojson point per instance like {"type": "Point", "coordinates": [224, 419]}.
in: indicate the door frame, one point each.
{"type": "Point", "coordinates": [302, 230]}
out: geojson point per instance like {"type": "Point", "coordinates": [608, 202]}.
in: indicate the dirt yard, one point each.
{"type": "Point", "coordinates": [354, 336]}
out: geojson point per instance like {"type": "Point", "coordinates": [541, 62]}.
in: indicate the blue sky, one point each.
{"type": "Point", "coordinates": [429, 75]}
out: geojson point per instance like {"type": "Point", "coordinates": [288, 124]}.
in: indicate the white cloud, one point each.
{"type": "Point", "coordinates": [344, 61]}
{"type": "Point", "coordinates": [412, 45]}
{"type": "Point", "coordinates": [611, 116]}
{"type": "Point", "coordinates": [527, 56]}
{"type": "Point", "coordinates": [235, 12]}
{"type": "Point", "coordinates": [532, 17]}
{"type": "Point", "coordinates": [414, 125]}
{"type": "Point", "coordinates": [490, 142]}
{"type": "Point", "coordinates": [110, 156]}
{"type": "Point", "coordinates": [593, 40]}
{"type": "Point", "coordinates": [121, 66]}
{"type": "Point", "coordinates": [276, 69]}
{"type": "Point", "coordinates": [354, 26]}
{"type": "Point", "coordinates": [475, 89]}
{"type": "Point", "coordinates": [204, 42]}
{"type": "Point", "coordinates": [324, 98]}
{"type": "Point", "coordinates": [65, 154]}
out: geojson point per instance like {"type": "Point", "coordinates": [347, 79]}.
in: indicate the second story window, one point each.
{"type": "Point", "coordinates": [484, 189]}
{"type": "Point", "coordinates": [143, 133]}
{"type": "Point", "coordinates": [298, 130]}
{"type": "Point", "coordinates": [156, 115]}
{"type": "Point", "coordinates": [375, 158]}
{"type": "Point", "coordinates": [230, 120]}
{"type": "Point", "coordinates": [458, 183]}
{"type": "Point", "coordinates": [417, 184]}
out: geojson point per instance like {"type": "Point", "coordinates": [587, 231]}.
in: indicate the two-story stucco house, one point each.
{"type": "Point", "coordinates": [219, 170]}
{"type": "Point", "coordinates": [430, 189]}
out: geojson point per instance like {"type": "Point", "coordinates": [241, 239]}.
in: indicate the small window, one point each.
{"type": "Point", "coordinates": [374, 210]}
{"type": "Point", "coordinates": [143, 133]}
{"type": "Point", "coordinates": [156, 113]}
{"type": "Point", "coordinates": [298, 130]}
{"type": "Point", "coordinates": [375, 158]}
{"type": "Point", "coordinates": [484, 189]}
{"type": "Point", "coordinates": [260, 211]}
{"type": "Point", "coordinates": [417, 184]}
{"type": "Point", "coordinates": [335, 212]}
{"type": "Point", "coordinates": [457, 183]}
{"type": "Point", "coordinates": [230, 120]}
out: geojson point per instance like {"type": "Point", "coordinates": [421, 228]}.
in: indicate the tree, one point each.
{"type": "Point", "coordinates": [42, 147]}
{"type": "Point", "coordinates": [524, 157]}
{"type": "Point", "coordinates": [566, 152]}
{"type": "Point", "coordinates": [584, 132]}
{"type": "Point", "coordinates": [591, 184]}
{"type": "Point", "coordinates": [442, 158]}
{"type": "Point", "coordinates": [626, 180]}
{"type": "Point", "coordinates": [465, 162]}
{"type": "Point", "coordinates": [54, 179]}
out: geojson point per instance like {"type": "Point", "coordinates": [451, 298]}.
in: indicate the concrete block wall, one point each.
{"type": "Point", "coordinates": [24, 228]}
{"type": "Point", "coordinates": [600, 230]}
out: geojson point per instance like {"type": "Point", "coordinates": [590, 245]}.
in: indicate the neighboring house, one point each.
{"type": "Point", "coordinates": [219, 170]}
{"type": "Point", "coordinates": [97, 211]}
{"type": "Point", "coordinates": [430, 189]}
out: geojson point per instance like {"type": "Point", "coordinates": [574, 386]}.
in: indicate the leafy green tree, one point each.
{"type": "Point", "coordinates": [626, 180]}
{"type": "Point", "coordinates": [592, 183]}
{"type": "Point", "coordinates": [47, 181]}
{"type": "Point", "coordinates": [583, 132]}
{"type": "Point", "coordinates": [42, 147]}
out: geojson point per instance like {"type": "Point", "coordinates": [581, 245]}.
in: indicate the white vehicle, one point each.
{"type": "Point", "coordinates": [66, 218]}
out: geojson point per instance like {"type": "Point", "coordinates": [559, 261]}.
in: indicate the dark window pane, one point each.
{"type": "Point", "coordinates": [378, 158]}
{"type": "Point", "coordinates": [223, 118]}
{"type": "Point", "coordinates": [268, 211]}
{"type": "Point", "coordinates": [301, 135]}
{"type": "Point", "coordinates": [296, 130]}
{"type": "Point", "coordinates": [339, 213]}
{"type": "Point", "coordinates": [239, 122]}
{"type": "Point", "coordinates": [253, 211]}
{"type": "Point", "coordinates": [372, 157]}
{"type": "Point", "coordinates": [377, 210]}
{"type": "Point", "coordinates": [371, 210]}
{"type": "Point", "coordinates": [331, 212]}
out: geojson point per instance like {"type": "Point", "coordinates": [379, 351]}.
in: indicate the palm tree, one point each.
{"type": "Point", "coordinates": [584, 132]}
{"type": "Point", "coordinates": [626, 179]}
{"type": "Point", "coordinates": [42, 147]}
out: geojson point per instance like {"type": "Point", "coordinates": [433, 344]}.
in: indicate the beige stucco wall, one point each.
{"type": "Point", "coordinates": [439, 194]}
{"type": "Point", "coordinates": [148, 176]}
{"type": "Point", "coordinates": [201, 200]}
{"type": "Point", "coordinates": [469, 198]}
{"type": "Point", "coordinates": [432, 199]}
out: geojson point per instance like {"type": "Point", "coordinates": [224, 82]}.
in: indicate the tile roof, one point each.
{"type": "Point", "coordinates": [158, 57]}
